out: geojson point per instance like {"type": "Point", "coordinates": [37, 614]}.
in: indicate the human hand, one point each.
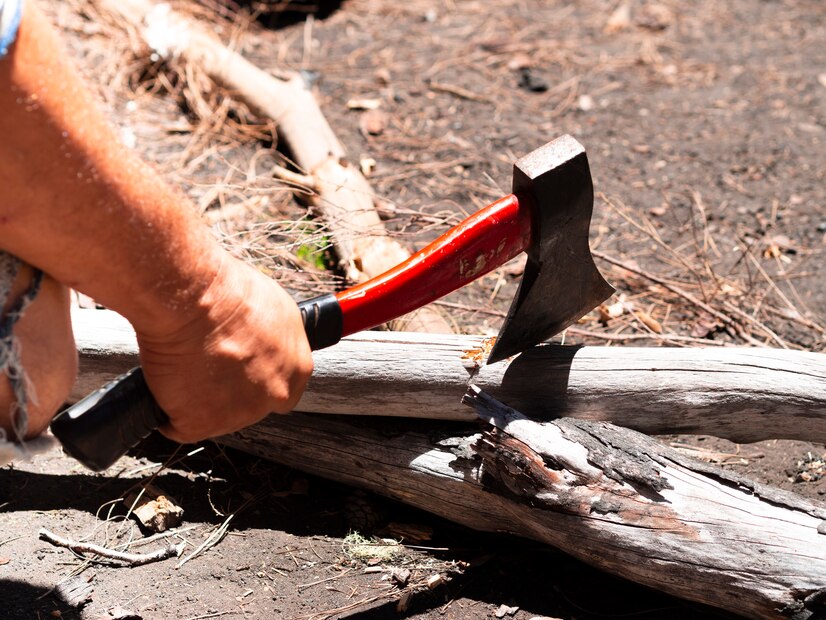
{"type": "Point", "coordinates": [236, 355]}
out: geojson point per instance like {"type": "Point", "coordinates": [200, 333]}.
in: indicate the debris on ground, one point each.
{"type": "Point", "coordinates": [154, 508]}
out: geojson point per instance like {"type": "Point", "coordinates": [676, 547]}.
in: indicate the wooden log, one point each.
{"type": "Point", "coordinates": [742, 394]}
{"type": "Point", "coordinates": [609, 496]}
{"type": "Point", "coordinates": [106, 346]}
{"type": "Point", "coordinates": [339, 192]}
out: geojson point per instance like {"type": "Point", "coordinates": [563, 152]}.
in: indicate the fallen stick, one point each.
{"type": "Point", "coordinates": [340, 193]}
{"type": "Point", "coordinates": [741, 394]}
{"type": "Point", "coordinates": [609, 496]}
{"type": "Point", "coordinates": [131, 559]}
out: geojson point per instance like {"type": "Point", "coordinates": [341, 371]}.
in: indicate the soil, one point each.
{"type": "Point", "coordinates": [705, 125]}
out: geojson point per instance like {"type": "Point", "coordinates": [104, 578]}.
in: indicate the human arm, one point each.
{"type": "Point", "coordinates": [221, 344]}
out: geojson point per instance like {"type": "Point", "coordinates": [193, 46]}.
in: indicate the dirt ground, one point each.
{"type": "Point", "coordinates": [705, 125]}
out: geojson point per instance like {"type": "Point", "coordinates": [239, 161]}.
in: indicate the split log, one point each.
{"type": "Point", "coordinates": [608, 496]}
{"type": "Point", "coordinates": [741, 394]}
{"type": "Point", "coordinates": [339, 192]}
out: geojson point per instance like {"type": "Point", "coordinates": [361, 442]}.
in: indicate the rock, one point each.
{"type": "Point", "coordinates": [506, 610]}
{"type": "Point", "coordinates": [156, 510]}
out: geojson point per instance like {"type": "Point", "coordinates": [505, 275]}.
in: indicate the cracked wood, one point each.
{"type": "Point", "coordinates": [611, 497]}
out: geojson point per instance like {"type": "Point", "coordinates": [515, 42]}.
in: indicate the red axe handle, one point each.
{"type": "Point", "coordinates": [100, 428]}
{"type": "Point", "coordinates": [481, 243]}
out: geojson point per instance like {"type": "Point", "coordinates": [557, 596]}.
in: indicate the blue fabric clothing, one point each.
{"type": "Point", "coordinates": [10, 13]}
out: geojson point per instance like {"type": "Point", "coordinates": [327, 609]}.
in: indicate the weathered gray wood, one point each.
{"type": "Point", "coordinates": [106, 346]}
{"type": "Point", "coordinates": [609, 496]}
{"type": "Point", "coordinates": [742, 394]}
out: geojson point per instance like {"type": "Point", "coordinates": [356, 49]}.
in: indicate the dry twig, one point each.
{"type": "Point", "coordinates": [728, 320]}
{"type": "Point", "coordinates": [131, 559]}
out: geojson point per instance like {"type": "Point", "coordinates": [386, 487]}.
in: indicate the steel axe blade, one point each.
{"type": "Point", "coordinates": [561, 283]}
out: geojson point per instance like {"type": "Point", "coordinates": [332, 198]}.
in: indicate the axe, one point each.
{"type": "Point", "coordinates": [548, 215]}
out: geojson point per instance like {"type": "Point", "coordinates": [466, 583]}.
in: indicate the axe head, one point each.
{"type": "Point", "coordinates": [561, 283]}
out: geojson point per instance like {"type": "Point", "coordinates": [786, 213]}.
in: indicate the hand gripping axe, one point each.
{"type": "Point", "coordinates": [548, 215]}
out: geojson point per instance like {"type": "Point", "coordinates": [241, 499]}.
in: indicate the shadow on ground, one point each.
{"type": "Point", "coordinates": [22, 600]}
{"type": "Point", "coordinates": [276, 15]}
{"type": "Point", "coordinates": [500, 570]}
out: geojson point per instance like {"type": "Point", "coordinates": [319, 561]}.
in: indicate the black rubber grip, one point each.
{"type": "Point", "coordinates": [99, 429]}
{"type": "Point", "coordinates": [323, 321]}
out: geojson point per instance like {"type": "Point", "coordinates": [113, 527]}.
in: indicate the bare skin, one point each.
{"type": "Point", "coordinates": [221, 345]}
{"type": "Point", "coordinates": [48, 350]}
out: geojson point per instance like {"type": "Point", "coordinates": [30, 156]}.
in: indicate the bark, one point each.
{"type": "Point", "coordinates": [609, 496]}
{"type": "Point", "coordinates": [742, 394]}
{"type": "Point", "coordinates": [340, 194]}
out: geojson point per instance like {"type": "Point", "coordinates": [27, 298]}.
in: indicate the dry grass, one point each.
{"type": "Point", "coordinates": [680, 292]}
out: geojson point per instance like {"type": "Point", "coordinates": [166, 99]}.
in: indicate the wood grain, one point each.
{"type": "Point", "coordinates": [741, 394]}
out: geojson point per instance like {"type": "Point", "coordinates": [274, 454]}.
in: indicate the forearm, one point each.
{"type": "Point", "coordinates": [80, 206]}
{"type": "Point", "coordinates": [221, 344]}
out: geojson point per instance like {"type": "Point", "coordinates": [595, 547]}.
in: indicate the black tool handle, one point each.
{"type": "Point", "coordinates": [99, 429]}
{"type": "Point", "coordinates": [323, 321]}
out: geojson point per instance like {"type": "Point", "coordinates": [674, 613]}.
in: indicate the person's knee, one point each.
{"type": "Point", "coordinates": [47, 352]}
